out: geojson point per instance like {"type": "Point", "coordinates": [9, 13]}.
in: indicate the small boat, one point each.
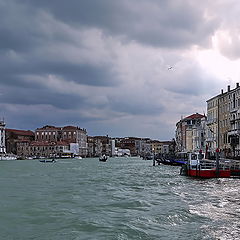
{"type": "Point", "coordinates": [103, 158]}
{"type": "Point", "coordinates": [47, 160]}
{"type": "Point", "coordinates": [77, 157]}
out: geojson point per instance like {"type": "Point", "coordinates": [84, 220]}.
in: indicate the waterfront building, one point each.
{"type": "Point", "coordinates": [2, 137]}
{"type": "Point", "coordinates": [223, 124]}
{"type": "Point", "coordinates": [100, 145]}
{"type": "Point", "coordinates": [16, 138]}
{"type": "Point", "coordinates": [212, 124]}
{"type": "Point", "coordinates": [94, 146]}
{"type": "Point", "coordinates": [67, 134]}
{"type": "Point", "coordinates": [129, 143]}
{"type": "Point", "coordinates": [190, 133]}
{"type": "Point", "coordinates": [156, 147]}
{"type": "Point", "coordinates": [223, 114]}
{"type": "Point", "coordinates": [49, 149]}
{"type": "Point", "coordinates": [234, 120]}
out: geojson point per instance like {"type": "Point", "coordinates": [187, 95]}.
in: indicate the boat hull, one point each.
{"type": "Point", "coordinates": [211, 173]}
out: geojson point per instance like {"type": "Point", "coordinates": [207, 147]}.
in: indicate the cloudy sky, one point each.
{"type": "Point", "coordinates": [122, 68]}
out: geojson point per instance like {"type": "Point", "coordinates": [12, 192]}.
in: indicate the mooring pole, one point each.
{"type": "Point", "coordinates": [217, 162]}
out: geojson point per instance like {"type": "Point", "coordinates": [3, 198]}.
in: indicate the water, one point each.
{"type": "Point", "coordinates": [121, 199]}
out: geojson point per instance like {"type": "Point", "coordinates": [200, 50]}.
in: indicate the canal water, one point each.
{"type": "Point", "coordinates": [123, 198]}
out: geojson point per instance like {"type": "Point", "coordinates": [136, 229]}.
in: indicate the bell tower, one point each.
{"type": "Point", "coordinates": [2, 137]}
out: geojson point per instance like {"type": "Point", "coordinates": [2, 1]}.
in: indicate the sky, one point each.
{"type": "Point", "coordinates": [117, 68]}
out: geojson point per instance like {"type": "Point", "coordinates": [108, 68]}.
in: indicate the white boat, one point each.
{"type": "Point", "coordinates": [77, 157]}
{"type": "Point", "coordinates": [7, 157]}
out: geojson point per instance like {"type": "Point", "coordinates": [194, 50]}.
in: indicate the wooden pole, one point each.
{"type": "Point", "coordinates": [217, 162]}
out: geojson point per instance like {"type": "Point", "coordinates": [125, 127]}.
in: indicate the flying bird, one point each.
{"type": "Point", "coordinates": [170, 67]}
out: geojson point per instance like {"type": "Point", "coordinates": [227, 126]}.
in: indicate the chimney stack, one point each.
{"type": "Point", "coordinates": [237, 85]}
{"type": "Point", "coordinates": [228, 88]}
{"type": "Point", "coordinates": [222, 91]}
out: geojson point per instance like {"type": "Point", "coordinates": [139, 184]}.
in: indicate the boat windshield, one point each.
{"type": "Point", "coordinates": [194, 157]}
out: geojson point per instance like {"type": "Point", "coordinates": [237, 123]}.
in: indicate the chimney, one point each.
{"type": "Point", "coordinates": [222, 91]}
{"type": "Point", "coordinates": [237, 85]}
{"type": "Point", "coordinates": [228, 88]}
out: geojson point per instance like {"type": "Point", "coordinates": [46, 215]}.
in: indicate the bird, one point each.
{"type": "Point", "coordinates": [170, 67]}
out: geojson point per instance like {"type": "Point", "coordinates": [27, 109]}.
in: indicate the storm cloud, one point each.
{"type": "Point", "coordinates": [110, 65]}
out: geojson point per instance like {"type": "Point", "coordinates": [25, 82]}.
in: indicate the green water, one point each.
{"type": "Point", "coordinates": [124, 198]}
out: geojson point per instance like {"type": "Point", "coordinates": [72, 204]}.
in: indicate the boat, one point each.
{"type": "Point", "coordinates": [77, 157]}
{"type": "Point", "coordinates": [7, 157]}
{"type": "Point", "coordinates": [178, 159]}
{"type": "Point", "coordinates": [199, 166]}
{"type": "Point", "coordinates": [103, 158]}
{"type": "Point", "coordinates": [47, 160]}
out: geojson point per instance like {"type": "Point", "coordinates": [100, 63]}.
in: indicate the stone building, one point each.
{"type": "Point", "coordinates": [212, 124]}
{"type": "Point", "coordinates": [190, 133]}
{"type": "Point", "coordinates": [224, 121]}
{"type": "Point", "coordinates": [67, 134]}
{"type": "Point", "coordinates": [223, 114]}
{"type": "Point", "coordinates": [14, 136]}
{"type": "Point", "coordinates": [234, 120]}
{"type": "Point", "coordinates": [94, 146]}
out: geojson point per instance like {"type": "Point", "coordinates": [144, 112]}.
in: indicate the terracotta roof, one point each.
{"type": "Point", "coordinates": [20, 132]}
{"type": "Point", "coordinates": [195, 116]}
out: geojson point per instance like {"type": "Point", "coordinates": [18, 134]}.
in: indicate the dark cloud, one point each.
{"type": "Point", "coordinates": [172, 23]}
{"type": "Point", "coordinates": [36, 96]}
{"type": "Point", "coordinates": [94, 62]}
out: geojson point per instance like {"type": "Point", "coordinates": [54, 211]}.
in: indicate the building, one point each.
{"type": "Point", "coordinates": [2, 137]}
{"type": "Point", "coordinates": [43, 149]}
{"type": "Point", "coordinates": [223, 124]}
{"type": "Point", "coordinates": [163, 147]}
{"type": "Point", "coordinates": [94, 146]}
{"type": "Point", "coordinates": [212, 124]}
{"type": "Point", "coordinates": [69, 134]}
{"type": "Point", "coordinates": [233, 122]}
{"type": "Point", "coordinates": [190, 133]}
{"type": "Point", "coordinates": [14, 136]}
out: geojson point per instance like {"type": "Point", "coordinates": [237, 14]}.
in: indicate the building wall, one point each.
{"type": "Point", "coordinates": [224, 121]}
{"type": "Point", "coordinates": [212, 138]}
{"type": "Point", "coordinates": [71, 134]}
{"type": "Point", "coordinates": [191, 133]}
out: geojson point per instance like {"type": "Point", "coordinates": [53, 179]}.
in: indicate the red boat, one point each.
{"type": "Point", "coordinates": [198, 166]}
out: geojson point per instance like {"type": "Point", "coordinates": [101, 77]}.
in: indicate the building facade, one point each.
{"type": "Point", "coordinates": [67, 134]}
{"type": "Point", "coordinates": [212, 124]}
{"type": "Point", "coordinates": [223, 114]}
{"type": "Point", "coordinates": [14, 136]}
{"type": "Point", "coordinates": [191, 133]}
{"type": "Point", "coordinates": [234, 121]}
